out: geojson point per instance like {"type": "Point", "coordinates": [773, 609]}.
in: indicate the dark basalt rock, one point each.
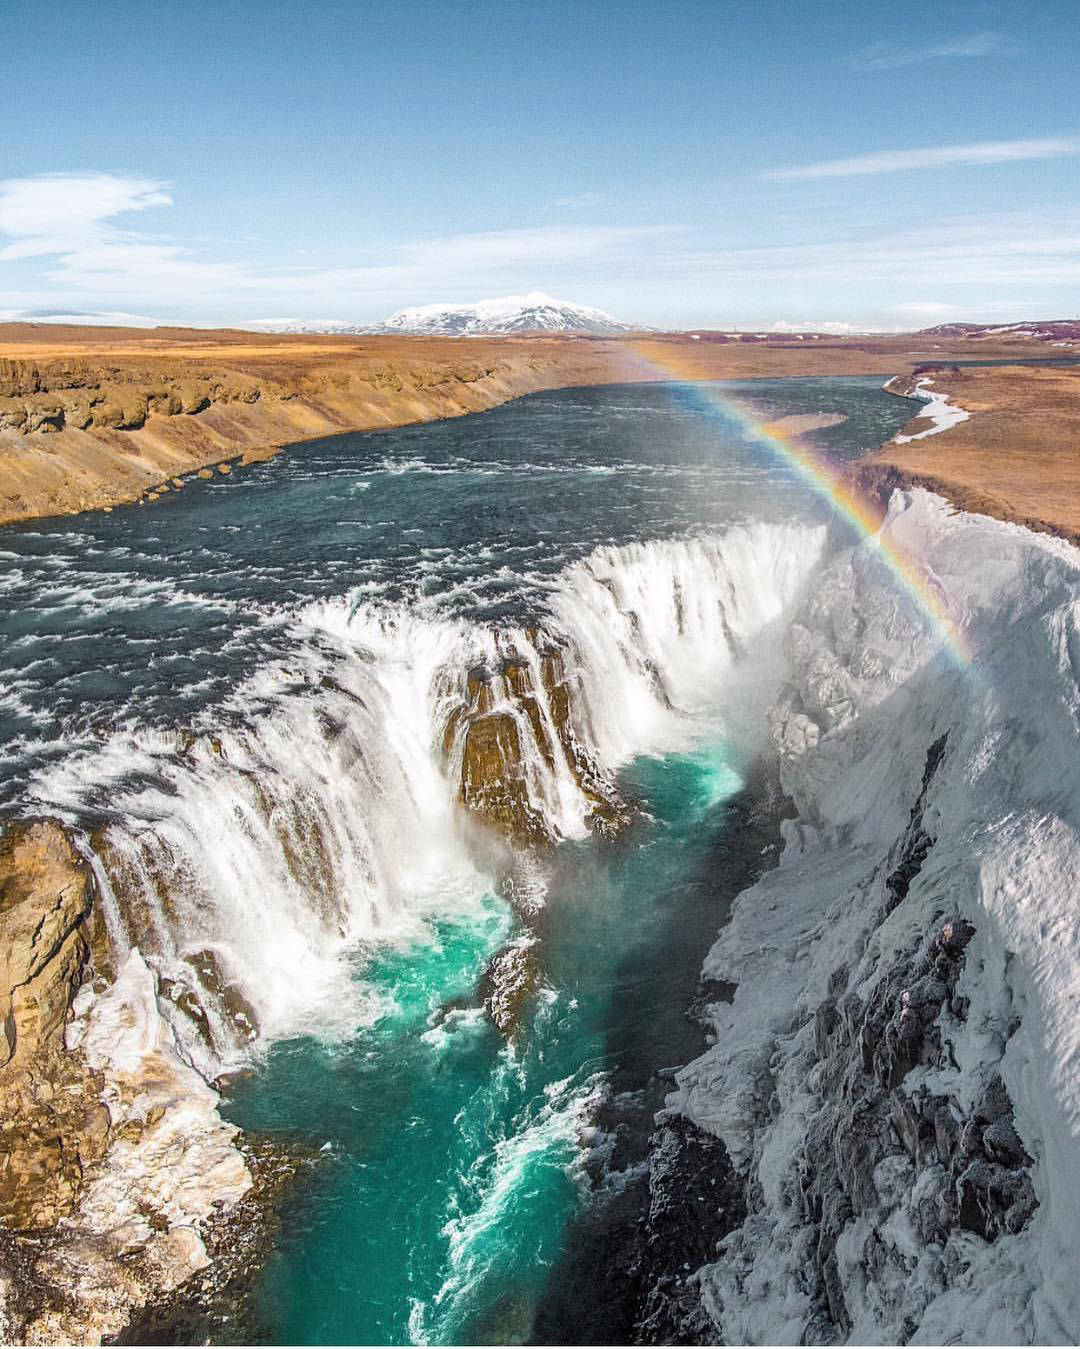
{"type": "Point", "coordinates": [511, 978]}
{"type": "Point", "coordinates": [917, 842]}
{"type": "Point", "coordinates": [695, 1199]}
{"type": "Point", "coordinates": [972, 1171]}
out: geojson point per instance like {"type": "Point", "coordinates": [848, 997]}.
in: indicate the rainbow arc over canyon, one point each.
{"type": "Point", "coordinates": [827, 481]}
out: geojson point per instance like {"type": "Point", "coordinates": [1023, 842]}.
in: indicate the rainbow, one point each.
{"type": "Point", "coordinates": [912, 577]}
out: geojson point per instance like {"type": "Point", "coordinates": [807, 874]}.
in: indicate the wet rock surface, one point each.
{"type": "Point", "coordinates": [118, 1180]}
{"type": "Point", "coordinates": [53, 1124]}
{"type": "Point", "coordinates": [514, 738]}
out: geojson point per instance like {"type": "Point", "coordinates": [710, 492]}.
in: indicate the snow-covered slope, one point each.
{"type": "Point", "coordinates": [1058, 332]}
{"type": "Point", "coordinates": [534, 312]}
{"type": "Point", "coordinates": [898, 1077]}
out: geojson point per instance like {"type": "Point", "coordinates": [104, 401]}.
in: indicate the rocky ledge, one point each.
{"type": "Point", "coordinates": [117, 1175]}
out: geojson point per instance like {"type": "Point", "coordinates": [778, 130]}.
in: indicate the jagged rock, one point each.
{"type": "Point", "coordinates": [12, 414]}
{"type": "Point", "coordinates": [993, 1199]}
{"type": "Point", "coordinates": [493, 777]}
{"type": "Point", "coordinates": [511, 977]}
{"type": "Point", "coordinates": [53, 1124]}
{"type": "Point", "coordinates": [44, 414]}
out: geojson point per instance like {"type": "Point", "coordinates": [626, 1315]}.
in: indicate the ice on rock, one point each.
{"type": "Point", "coordinates": [898, 1077]}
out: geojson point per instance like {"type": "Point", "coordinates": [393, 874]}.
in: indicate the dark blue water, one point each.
{"type": "Point", "coordinates": [146, 615]}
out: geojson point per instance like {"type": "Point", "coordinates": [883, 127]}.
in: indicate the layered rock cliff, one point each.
{"type": "Point", "coordinates": [78, 432]}
{"type": "Point", "coordinates": [113, 1161]}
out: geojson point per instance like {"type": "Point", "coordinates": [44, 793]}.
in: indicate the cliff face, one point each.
{"type": "Point", "coordinates": [113, 1160]}
{"type": "Point", "coordinates": [894, 1081]}
{"type": "Point", "coordinates": [76, 433]}
{"type": "Point", "coordinates": [54, 1127]}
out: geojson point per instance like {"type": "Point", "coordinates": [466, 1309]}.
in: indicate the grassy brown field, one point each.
{"type": "Point", "coordinates": [98, 417]}
{"type": "Point", "coordinates": [1018, 457]}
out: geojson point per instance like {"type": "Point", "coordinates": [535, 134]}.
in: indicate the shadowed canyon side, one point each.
{"type": "Point", "coordinates": [105, 417]}
{"type": "Point", "coordinates": [887, 1078]}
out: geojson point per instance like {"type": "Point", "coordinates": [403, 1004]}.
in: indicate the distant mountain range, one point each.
{"type": "Point", "coordinates": [532, 313]}
{"type": "Point", "coordinates": [1060, 332]}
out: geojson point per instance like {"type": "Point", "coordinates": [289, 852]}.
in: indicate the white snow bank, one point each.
{"type": "Point", "coordinates": [871, 689]}
{"type": "Point", "coordinates": [939, 410]}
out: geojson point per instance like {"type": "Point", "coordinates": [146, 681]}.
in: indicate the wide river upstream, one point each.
{"type": "Point", "coordinates": [243, 699]}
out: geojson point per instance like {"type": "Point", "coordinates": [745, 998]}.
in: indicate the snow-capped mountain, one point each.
{"type": "Point", "coordinates": [532, 313]}
{"type": "Point", "coordinates": [535, 312]}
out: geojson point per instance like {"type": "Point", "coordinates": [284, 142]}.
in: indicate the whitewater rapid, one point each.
{"type": "Point", "coordinates": [251, 855]}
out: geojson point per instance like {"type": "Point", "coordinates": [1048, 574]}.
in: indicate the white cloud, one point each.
{"type": "Point", "coordinates": [1006, 249]}
{"type": "Point", "coordinates": [932, 157]}
{"type": "Point", "coordinates": [66, 251]}
{"type": "Point", "coordinates": [70, 223]}
{"type": "Point", "coordinates": [835, 327]}
{"type": "Point", "coordinates": [887, 56]}
{"type": "Point", "coordinates": [60, 212]}
{"type": "Point", "coordinates": [581, 200]}
{"type": "Point", "coordinates": [554, 243]}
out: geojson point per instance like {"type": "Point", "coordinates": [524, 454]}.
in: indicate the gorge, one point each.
{"type": "Point", "coordinates": [384, 788]}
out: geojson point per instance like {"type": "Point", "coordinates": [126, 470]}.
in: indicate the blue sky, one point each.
{"type": "Point", "coordinates": [739, 162]}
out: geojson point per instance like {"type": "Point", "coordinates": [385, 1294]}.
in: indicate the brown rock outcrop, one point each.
{"type": "Point", "coordinates": [54, 1125]}
{"type": "Point", "coordinates": [513, 716]}
{"type": "Point", "coordinates": [118, 1178]}
{"type": "Point", "coordinates": [493, 781]}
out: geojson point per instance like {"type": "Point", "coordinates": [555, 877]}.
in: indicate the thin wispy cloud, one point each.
{"type": "Point", "coordinates": [887, 56]}
{"type": "Point", "coordinates": [67, 244]}
{"type": "Point", "coordinates": [580, 201]}
{"type": "Point", "coordinates": [932, 157]}
{"type": "Point", "coordinates": [57, 212]}
{"type": "Point", "coordinates": [1002, 250]}
{"type": "Point", "coordinates": [79, 227]}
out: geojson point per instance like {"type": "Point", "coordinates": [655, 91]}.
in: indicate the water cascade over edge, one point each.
{"type": "Point", "coordinates": [393, 764]}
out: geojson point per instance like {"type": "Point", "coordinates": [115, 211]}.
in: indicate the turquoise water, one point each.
{"type": "Point", "coordinates": [452, 1160]}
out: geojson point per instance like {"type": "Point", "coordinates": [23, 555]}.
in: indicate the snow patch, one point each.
{"type": "Point", "coordinates": [941, 413]}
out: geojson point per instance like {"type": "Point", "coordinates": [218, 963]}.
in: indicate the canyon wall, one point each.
{"type": "Point", "coordinates": [90, 431]}
{"type": "Point", "coordinates": [894, 1081]}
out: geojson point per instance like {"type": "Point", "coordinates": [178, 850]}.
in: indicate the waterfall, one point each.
{"type": "Point", "coordinates": [341, 795]}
